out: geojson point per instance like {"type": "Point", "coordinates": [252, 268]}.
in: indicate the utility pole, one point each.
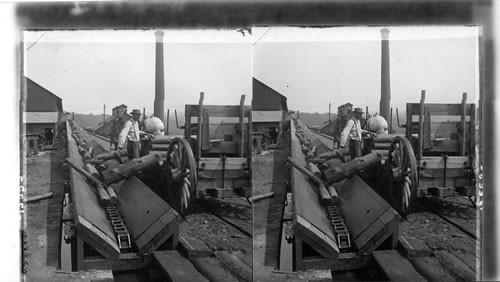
{"type": "Point", "coordinates": [104, 114]}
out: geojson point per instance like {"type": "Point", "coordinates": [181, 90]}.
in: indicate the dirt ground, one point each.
{"type": "Point", "coordinates": [441, 235]}
{"type": "Point", "coordinates": [45, 173]}
{"type": "Point", "coordinates": [215, 233]}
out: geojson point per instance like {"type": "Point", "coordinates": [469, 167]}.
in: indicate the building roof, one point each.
{"type": "Point", "coordinates": [267, 116]}
{"type": "Point", "coordinates": [39, 99]}
{"type": "Point", "coordinates": [264, 98]}
{"type": "Point", "coordinates": [41, 117]}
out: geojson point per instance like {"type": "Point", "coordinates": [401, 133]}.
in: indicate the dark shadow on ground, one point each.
{"type": "Point", "coordinates": [281, 174]}
{"type": "Point", "coordinates": [58, 175]}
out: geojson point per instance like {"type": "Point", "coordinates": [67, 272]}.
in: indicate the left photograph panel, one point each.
{"type": "Point", "coordinates": [137, 154]}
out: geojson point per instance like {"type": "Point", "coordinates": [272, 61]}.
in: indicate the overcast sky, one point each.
{"type": "Point", "coordinates": [313, 67]}
{"type": "Point", "coordinates": [88, 69]}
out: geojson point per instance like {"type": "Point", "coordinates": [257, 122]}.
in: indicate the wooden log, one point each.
{"type": "Point", "coordinates": [94, 162]}
{"type": "Point", "coordinates": [87, 156]}
{"type": "Point", "coordinates": [314, 169]}
{"type": "Point", "coordinates": [111, 155]}
{"type": "Point", "coordinates": [305, 150]}
{"type": "Point", "coordinates": [334, 163]}
{"type": "Point", "coordinates": [311, 176]}
{"type": "Point", "coordinates": [104, 199]}
{"type": "Point", "coordinates": [112, 195]}
{"type": "Point", "coordinates": [322, 192]}
{"type": "Point", "coordinates": [131, 168]}
{"type": "Point", "coordinates": [351, 168]}
{"type": "Point", "coordinates": [162, 140]}
{"type": "Point", "coordinates": [92, 170]}
{"type": "Point", "coordinates": [333, 194]}
{"type": "Point", "coordinates": [39, 197]}
{"type": "Point", "coordinates": [159, 147]}
{"type": "Point", "coordinates": [324, 196]}
{"type": "Point", "coordinates": [262, 196]}
{"type": "Point", "coordinates": [310, 155]}
{"type": "Point", "coordinates": [103, 195]}
{"type": "Point", "coordinates": [328, 155]}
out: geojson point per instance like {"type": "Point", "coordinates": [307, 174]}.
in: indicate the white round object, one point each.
{"type": "Point", "coordinates": [378, 124]}
{"type": "Point", "coordinates": [153, 125]}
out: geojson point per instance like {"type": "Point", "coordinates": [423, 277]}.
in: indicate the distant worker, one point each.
{"type": "Point", "coordinates": [273, 133]}
{"type": "Point", "coordinates": [49, 136]}
{"type": "Point", "coordinates": [130, 135]}
{"type": "Point", "coordinates": [116, 128]}
{"type": "Point", "coordinates": [353, 134]}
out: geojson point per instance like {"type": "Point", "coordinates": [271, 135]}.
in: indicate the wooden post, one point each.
{"type": "Point", "coordinates": [462, 124]}
{"type": "Point", "coordinates": [200, 122]}
{"type": "Point", "coordinates": [242, 131]}
{"type": "Point", "coordinates": [168, 121]}
{"type": "Point", "coordinates": [421, 126]}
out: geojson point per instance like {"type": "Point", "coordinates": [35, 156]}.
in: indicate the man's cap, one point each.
{"type": "Point", "coordinates": [136, 112]}
{"type": "Point", "coordinates": [358, 110]}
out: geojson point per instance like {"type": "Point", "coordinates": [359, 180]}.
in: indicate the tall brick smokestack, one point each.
{"type": "Point", "coordinates": [159, 78]}
{"type": "Point", "coordinates": [385, 95]}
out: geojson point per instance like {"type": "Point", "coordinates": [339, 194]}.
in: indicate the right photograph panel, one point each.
{"type": "Point", "coordinates": [365, 153]}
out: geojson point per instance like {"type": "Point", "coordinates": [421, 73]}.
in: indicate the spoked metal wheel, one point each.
{"type": "Point", "coordinates": [402, 174]}
{"type": "Point", "coordinates": [181, 176]}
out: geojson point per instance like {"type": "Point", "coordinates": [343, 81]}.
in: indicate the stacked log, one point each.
{"type": "Point", "coordinates": [332, 166]}
{"type": "Point", "coordinates": [311, 170]}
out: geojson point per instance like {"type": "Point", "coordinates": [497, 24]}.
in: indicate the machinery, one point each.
{"type": "Point", "coordinates": [214, 157]}
{"type": "Point", "coordinates": [436, 155]}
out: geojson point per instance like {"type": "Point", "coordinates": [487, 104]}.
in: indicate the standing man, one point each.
{"type": "Point", "coordinates": [352, 133]}
{"type": "Point", "coordinates": [131, 135]}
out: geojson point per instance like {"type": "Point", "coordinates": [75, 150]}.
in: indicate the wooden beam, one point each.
{"type": "Point", "coordinates": [463, 131]}
{"type": "Point", "coordinates": [420, 126]}
{"type": "Point", "coordinates": [440, 109]}
{"type": "Point", "coordinates": [228, 163]}
{"type": "Point", "coordinates": [455, 266]}
{"type": "Point", "coordinates": [242, 128]}
{"type": "Point", "coordinates": [199, 133]}
{"type": "Point", "coordinates": [176, 267]}
{"type": "Point", "coordinates": [235, 265]}
{"type": "Point", "coordinates": [395, 267]}
{"type": "Point", "coordinates": [39, 197]}
{"type": "Point", "coordinates": [218, 110]}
